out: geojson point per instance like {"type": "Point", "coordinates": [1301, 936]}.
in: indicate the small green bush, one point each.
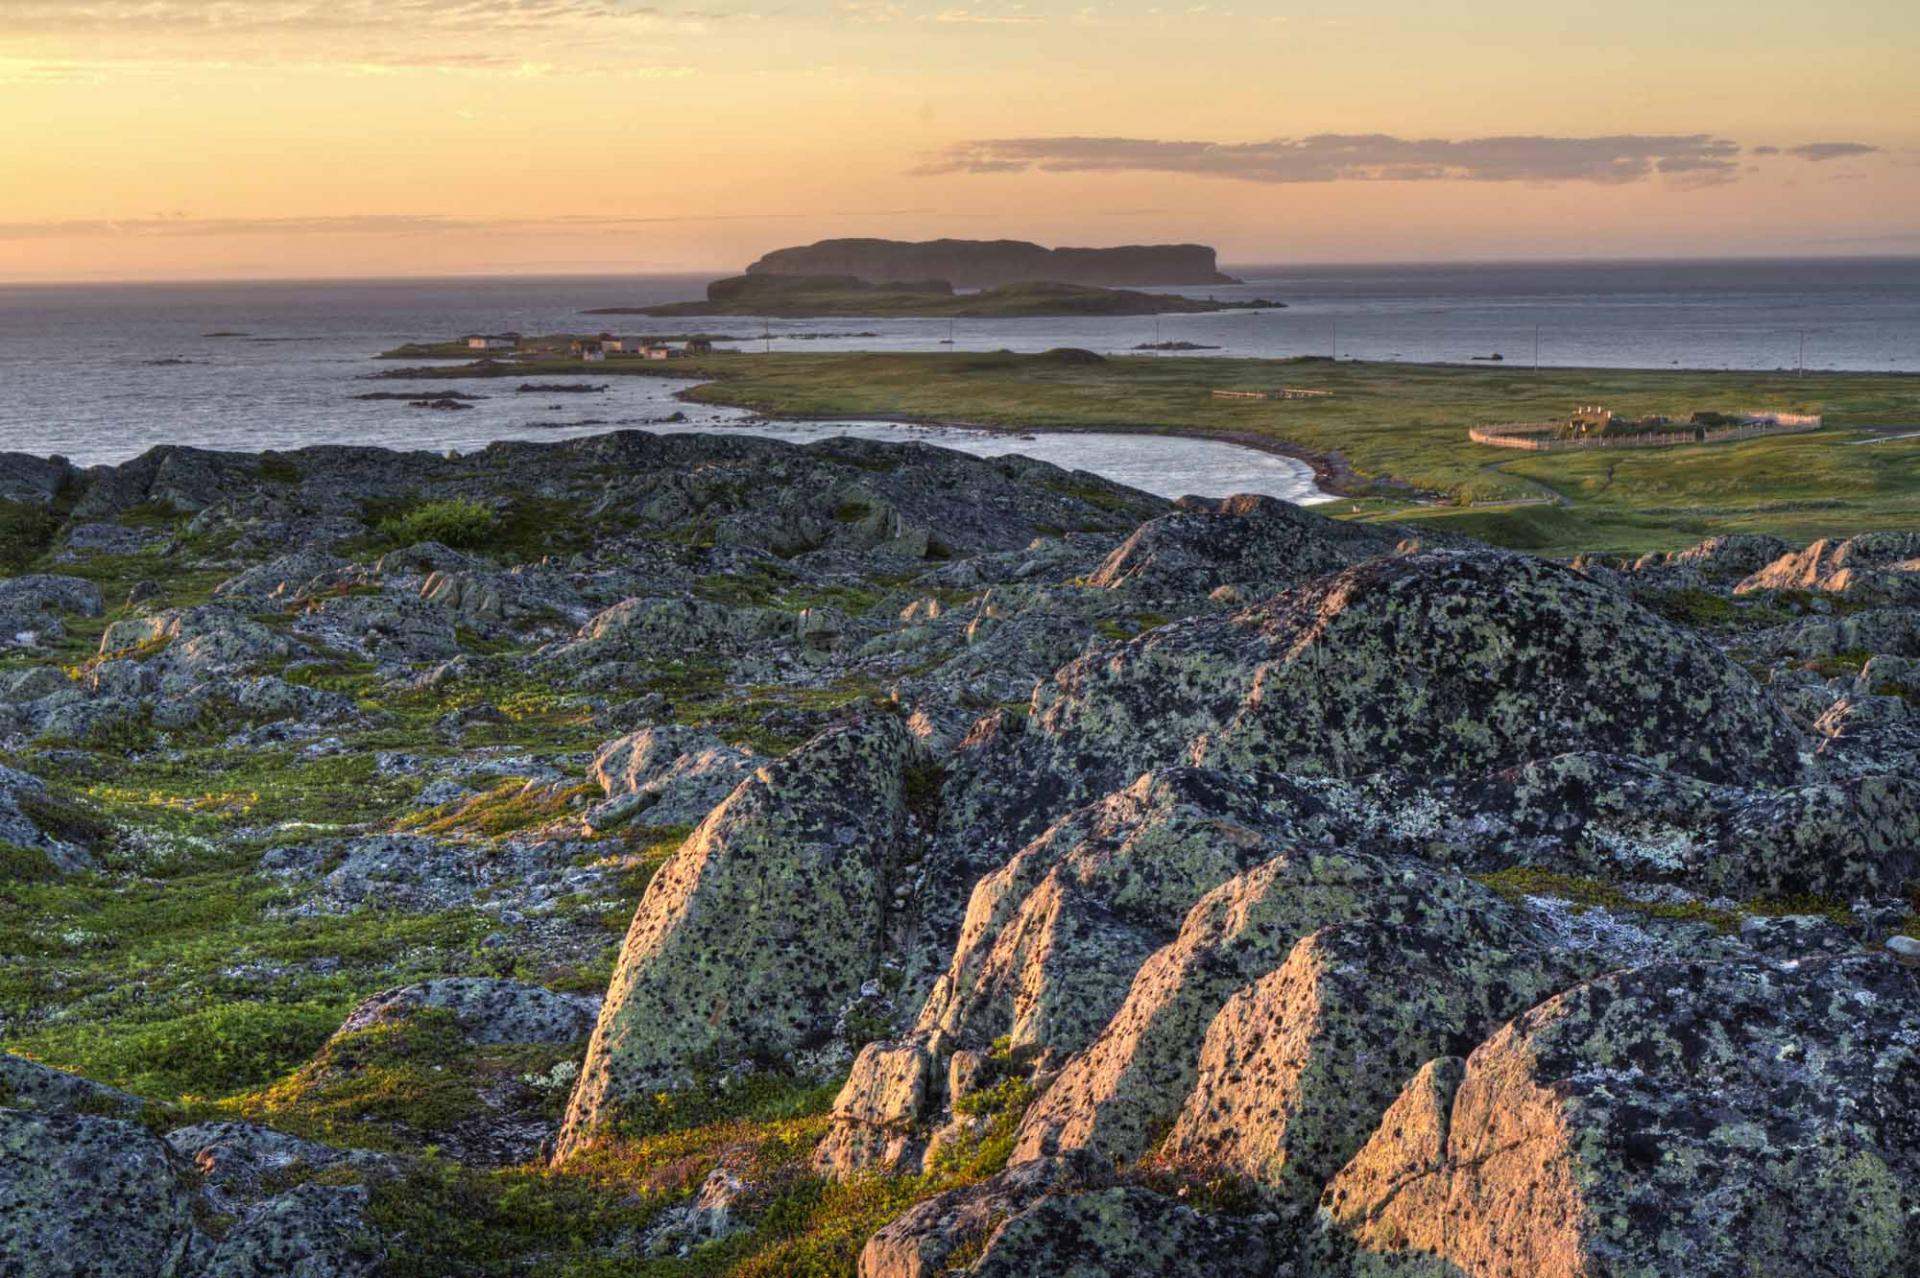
{"type": "Point", "coordinates": [459, 523]}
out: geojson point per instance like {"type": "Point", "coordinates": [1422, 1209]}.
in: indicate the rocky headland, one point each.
{"type": "Point", "coordinates": [789, 296]}
{"type": "Point", "coordinates": [992, 263]}
{"type": "Point", "coordinates": [678, 855]}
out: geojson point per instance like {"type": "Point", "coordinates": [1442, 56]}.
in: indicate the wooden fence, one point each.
{"type": "Point", "coordinates": [1543, 437]}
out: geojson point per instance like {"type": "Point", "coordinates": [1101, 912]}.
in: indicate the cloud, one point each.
{"type": "Point", "coordinates": [1691, 159]}
{"type": "Point", "coordinates": [179, 17]}
{"type": "Point", "coordinates": [1821, 152]}
{"type": "Point", "coordinates": [177, 225]}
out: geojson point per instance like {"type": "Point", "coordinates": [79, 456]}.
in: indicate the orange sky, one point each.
{"type": "Point", "coordinates": [224, 138]}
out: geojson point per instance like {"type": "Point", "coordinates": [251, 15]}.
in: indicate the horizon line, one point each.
{"type": "Point", "coordinates": [712, 273]}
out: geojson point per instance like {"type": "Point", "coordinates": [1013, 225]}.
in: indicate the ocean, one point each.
{"type": "Point", "coordinates": [100, 373]}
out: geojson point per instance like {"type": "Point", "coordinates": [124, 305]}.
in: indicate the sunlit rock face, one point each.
{"type": "Point", "coordinates": [756, 936]}
{"type": "Point", "coordinates": [1699, 1119]}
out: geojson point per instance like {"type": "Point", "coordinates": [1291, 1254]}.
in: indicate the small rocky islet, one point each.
{"type": "Point", "coordinates": [1017, 874]}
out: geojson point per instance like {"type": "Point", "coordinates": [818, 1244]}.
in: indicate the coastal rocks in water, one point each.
{"type": "Point", "coordinates": [489, 1010]}
{"type": "Point", "coordinates": [1258, 546]}
{"type": "Point", "coordinates": [1713, 1120]}
{"type": "Point", "coordinates": [670, 775]}
{"type": "Point", "coordinates": [1440, 661]}
{"type": "Point", "coordinates": [31, 607]}
{"type": "Point", "coordinates": [86, 1195]}
{"type": "Point", "coordinates": [760, 932]}
{"type": "Point", "coordinates": [1881, 567]}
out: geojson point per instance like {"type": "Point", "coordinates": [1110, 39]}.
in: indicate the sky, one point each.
{"type": "Point", "coordinates": [191, 139]}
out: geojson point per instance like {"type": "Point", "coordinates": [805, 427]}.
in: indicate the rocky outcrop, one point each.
{"type": "Point", "coordinates": [989, 263]}
{"type": "Point", "coordinates": [1250, 546]}
{"type": "Point", "coordinates": [1711, 1120]}
{"type": "Point", "coordinates": [31, 607]}
{"type": "Point", "coordinates": [489, 1010]}
{"type": "Point", "coordinates": [665, 776]}
{"type": "Point", "coordinates": [1442, 662]}
{"type": "Point", "coordinates": [1880, 567]}
{"type": "Point", "coordinates": [759, 933]}
{"type": "Point", "coordinates": [88, 1195]}
{"type": "Point", "coordinates": [1318, 954]}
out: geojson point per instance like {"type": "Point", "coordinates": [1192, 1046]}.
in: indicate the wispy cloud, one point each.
{"type": "Point", "coordinates": [183, 226]}
{"type": "Point", "coordinates": [179, 17]}
{"type": "Point", "coordinates": [1690, 158]}
{"type": "Point", "coordinates": [1819, 152]}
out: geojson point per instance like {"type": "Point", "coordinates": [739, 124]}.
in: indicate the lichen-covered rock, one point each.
{"type": "Point", "coordinates": [673, 775]}
{"type": "Point", "coordinates": [1622, 818]}
{"type": "Point", "coordinates": [920, 1242]}
{"type": "Point", "coordinates": [1717, 561]}
{"type": "Point", "coordinates": [489, 1010]}
{"type": "Point", "coordinates": [241, 1164]}
{"type": "Point", "coordinates": [1893, 632]}
{"type": "Point", "coordinates": [1258, 546]}
{"type": "Point", "coordinates": [760, 931]}
{"type": "Point", "coordinates": [29, 1085]}
{"type": "Point", "coordinates": [383, 627]}
{"type": "Point", "coordinates": [1446, 663]}
{"type": "Point", "coordinates": [667, 629]}
{"type": "Point", "coordinates": [1876, 566]}
{"type": "Point", "coordinates": [31, 606]}
{"type": "Point", "coordinates": [1464, 949]}
{"type": "Point", "coordinates": [1124, 1232]}
{"type": "Point", "coordinates": [311, 1231]}
{"type": "Point", "coordinates": [29, 820]}
{"type": "Point", "coordinates": [1052, 940]}
{"type": "Point", "coordinates": [279, 581]}
{"type": "Point", "coordinates": [1712, 1120]}
{"type": "Point", "coordinates": [1297, 1067]}
{"type": "Point", "coordinates": [194, 643]}
{"type": "Point", "coordinates": [82, 1195]}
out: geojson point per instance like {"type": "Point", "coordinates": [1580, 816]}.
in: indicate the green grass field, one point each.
{"type": "Point", "coordinates": [1407, 424]}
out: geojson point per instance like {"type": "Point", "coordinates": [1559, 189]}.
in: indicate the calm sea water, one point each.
{"type": "Point", "coordinates": [100, 373]}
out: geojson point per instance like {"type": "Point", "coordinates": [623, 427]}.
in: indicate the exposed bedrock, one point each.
{"type": "Point", "coordinates": [1443, 662]}
{"type": "Point", "coordinates": [756, 937]}
{"type": "Point", "coordinates": [1711, 1120]}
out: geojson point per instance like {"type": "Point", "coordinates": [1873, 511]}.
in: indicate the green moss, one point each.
{"type": "Point", "coordinates": [1524, 881]}
{"type": "Point", "coordinates": [456, 522]}
{"type": "Point", "coordinates": [25, 865]}
{"type": "Point", "coordinates": [26, 530]}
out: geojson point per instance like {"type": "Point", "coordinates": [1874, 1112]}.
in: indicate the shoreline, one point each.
{"type": "Point", "coordinates": [1333, 476]}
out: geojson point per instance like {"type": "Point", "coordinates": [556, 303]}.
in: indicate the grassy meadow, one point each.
{"type": "Point", "coordinates": [1403, 424]}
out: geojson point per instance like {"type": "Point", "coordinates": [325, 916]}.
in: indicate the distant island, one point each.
{"type": "Point", "coordinates": [992, 263]}
{"type": "Point", "coordinates": [816, 296]}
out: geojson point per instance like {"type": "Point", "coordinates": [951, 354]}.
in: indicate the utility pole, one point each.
{"type": "Point", "coordinates": [1536, 348]}
{"type": "Point", "coordinates": [1336, 338]}
{"type": "Point", "coordinates": [1803, 352]}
